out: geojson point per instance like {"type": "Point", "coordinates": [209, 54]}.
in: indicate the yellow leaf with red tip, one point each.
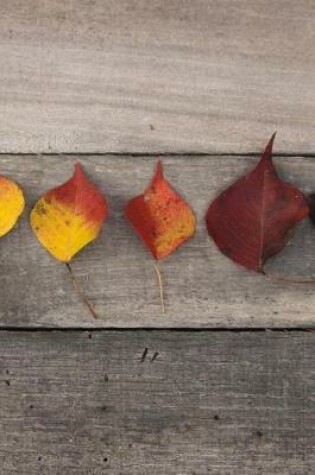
{"type": "Point", "coordinates": [11, 204]}
{"type": "Point", "coordinates": [161, 216]}
{"type": "Point", "coordinates": [70, 216]}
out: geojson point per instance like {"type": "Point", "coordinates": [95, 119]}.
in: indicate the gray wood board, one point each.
{"type": "Point", "coordinates": [202, 287]}
{"type": "Point", "coordinates": [119, 76]}
{"type": "Point", "coordinates": [220, 403]}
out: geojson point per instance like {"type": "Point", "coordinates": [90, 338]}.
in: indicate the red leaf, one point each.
{"type": "Point", "coordinates": [251, 220]}
{"type": "Point", "coordinates": [161, 217]}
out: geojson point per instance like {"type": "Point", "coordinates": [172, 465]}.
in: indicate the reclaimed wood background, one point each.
{"type": "Point", "coordinates": [114, 84]}
{"type": "Point", "coordinates": [157, 75]}
{"type": "Point", "coordinates": [156, 403]}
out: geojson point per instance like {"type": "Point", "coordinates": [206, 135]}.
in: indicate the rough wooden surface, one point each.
{"type": "Point", "coordinates": [220, 403]}
{"type": "Point", "coordinates": [202, 287]}
{"type": "Point", "coordinates": [207, 75]}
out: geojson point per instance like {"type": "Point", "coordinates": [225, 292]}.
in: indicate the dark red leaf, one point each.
{"type": "Point", "coordinates": [251, 220]}
{"type": "Point", "coordinates": [311, 203]}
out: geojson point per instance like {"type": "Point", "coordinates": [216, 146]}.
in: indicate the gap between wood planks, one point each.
{"type": "Point", "coordinates": [157, 154]}
{"type": "Point", "coordinates": [154, 329]}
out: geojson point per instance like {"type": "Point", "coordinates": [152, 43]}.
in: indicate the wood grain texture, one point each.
{"type": "Point", "coordinates": [202, 287]}
{"type": "Point", "coordinates": [219, 403]}
{"type": "Point", "coordinates": [182, 76]}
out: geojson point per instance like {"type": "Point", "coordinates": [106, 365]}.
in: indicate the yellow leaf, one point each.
{"type": "Point", "coordinates": [11, 204]}
{"type": "Point", "coordinates": [70, 216]}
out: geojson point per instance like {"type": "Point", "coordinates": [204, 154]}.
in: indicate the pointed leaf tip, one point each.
{"type": "Point", "coordinates": [78, 170]}
{"type": "Point", "coordinates": [267, 155]}
{"type": "Point", "coordinates": [159, 173]}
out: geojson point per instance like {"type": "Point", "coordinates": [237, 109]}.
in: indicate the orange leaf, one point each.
{"type": "Point", "coordinates": [161, 217]}
{"type": "Point", "coordinates": [70, 216]}
{"type": "Point", "coordinates": [11, 204]}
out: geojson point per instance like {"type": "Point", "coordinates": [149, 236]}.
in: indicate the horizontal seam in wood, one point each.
{"type": "Point", "coordinates": [158, 329]}
{"type": "Point", "coordinates": [155, 154]}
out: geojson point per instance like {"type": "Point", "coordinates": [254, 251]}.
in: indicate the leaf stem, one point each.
{"type": "Point", "coordinates": [160, 282]}
{"type": "Point", "coordinates": [80, 292]}
{"type": "Point", "coordinates": [288, 279]}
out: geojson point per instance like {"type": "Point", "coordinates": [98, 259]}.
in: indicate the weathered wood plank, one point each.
{"type": "Point", "coordinates": [202, 287]}
{"type": "Point", "coordinates": [210, 403]}
{"type": "Point", "coordinates": [156, 76]}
